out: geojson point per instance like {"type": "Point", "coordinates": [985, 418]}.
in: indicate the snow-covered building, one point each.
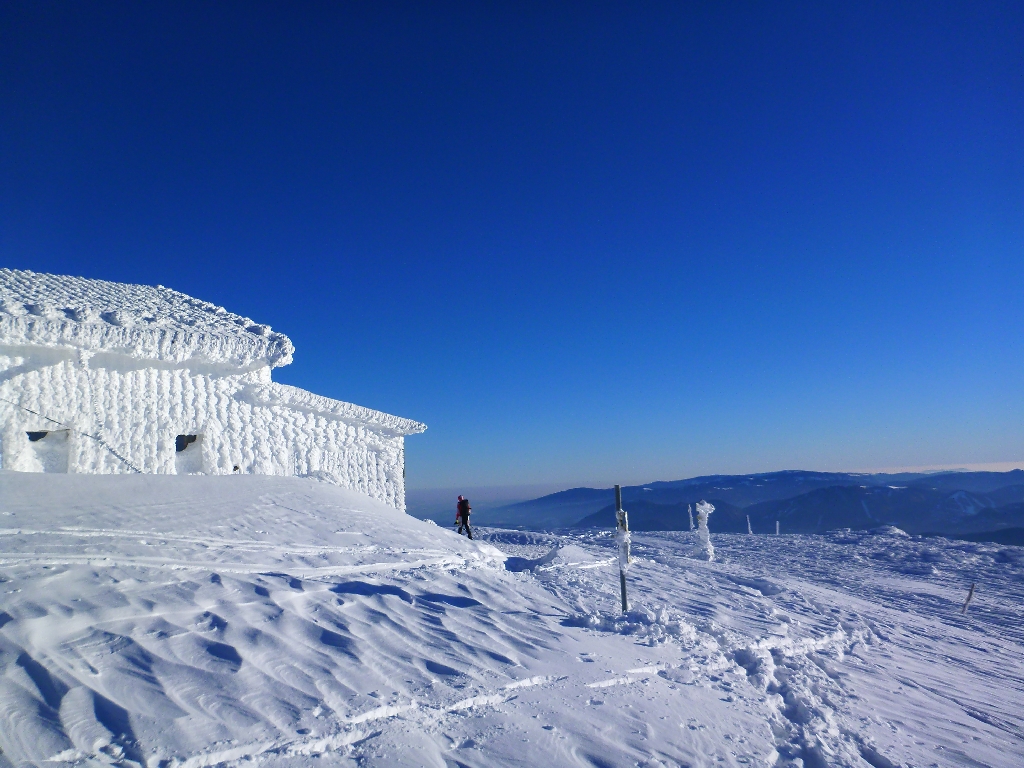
{"type": "Point", "coordinates": [102, 377]}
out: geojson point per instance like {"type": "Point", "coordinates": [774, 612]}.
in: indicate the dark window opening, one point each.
{"type": "Point", "coordinates": [181, 442]}
{"type": "Point", "coordinates": [36, 436]}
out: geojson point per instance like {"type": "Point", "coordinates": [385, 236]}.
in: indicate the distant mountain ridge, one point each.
{"type": "Point", "coordinates": [568, 507]}
{"type": "Point", "coordinates": [802, 502]}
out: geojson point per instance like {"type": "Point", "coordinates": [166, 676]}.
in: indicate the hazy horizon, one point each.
{"type": "Point", "coordinates": [523, 491]}
{"type": "Point", "coordinates": [439, 503]}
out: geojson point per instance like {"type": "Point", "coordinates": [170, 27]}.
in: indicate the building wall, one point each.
{"type": "Point", "coordinates": [115, 414]}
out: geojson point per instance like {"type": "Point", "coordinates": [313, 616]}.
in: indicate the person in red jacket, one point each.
{"type": "Point", "coordinates": [462, 510]}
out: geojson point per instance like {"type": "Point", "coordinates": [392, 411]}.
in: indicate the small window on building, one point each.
{"type": "Point", "coordinates": [181, 442]}
{"type": "Point", "coordinates": [188, 454]}
{"type": "Point", "coordinates": [48, 451]}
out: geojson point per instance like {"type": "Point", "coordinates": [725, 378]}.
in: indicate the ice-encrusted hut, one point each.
{"type": "Point", "coordinates": [102, 377]}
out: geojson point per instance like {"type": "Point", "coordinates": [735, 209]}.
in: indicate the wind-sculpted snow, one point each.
{"type": "Point", "coordinates": [297, 399]}
{"type": "Point", "coordinates": [154, 323]}
{"type": "Point", "coordinates": [244, 621]}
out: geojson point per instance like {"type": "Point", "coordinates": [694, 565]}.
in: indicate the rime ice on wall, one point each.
{"type": "Point", "coordinates": [153, 323]}
{"type": "Point", "coordinates": [104, 378]}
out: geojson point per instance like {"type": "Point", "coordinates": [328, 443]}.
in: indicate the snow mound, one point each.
{"type": "Point", "coordinates": [559, 556]}
{"type": "Point", "coordinates": [651, 625]}
{"type": "Point", "coordinates": [573, 555]}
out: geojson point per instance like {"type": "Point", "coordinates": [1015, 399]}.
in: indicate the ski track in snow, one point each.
{"type": "Point", "coordinates": [197, 625]}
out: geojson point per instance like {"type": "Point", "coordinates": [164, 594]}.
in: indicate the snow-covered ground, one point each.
{"type": "Point", "coordinates": [200, 621]}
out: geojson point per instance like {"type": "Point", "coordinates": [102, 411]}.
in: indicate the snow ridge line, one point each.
{"type": "Point", "coordinates": [611, 682]}
{"type": "Point", "coordinates": [240, 544]}
{"type": "Point", "coordinates": [639, 671]}
{"type": "Point", "coordinates": [532, 681]}
{"type": "Point", "coordinates": [99, 561]}
{"type": "Point", "coordinates": [579, 566]}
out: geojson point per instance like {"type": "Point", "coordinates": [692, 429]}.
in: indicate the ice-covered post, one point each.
{"type": "Point", "coordinates": [776, 527]}
{"type": "Point", "coordinates": [689, 511]}
{"type": "Point", "coordinates": [704, 550]}
{"type": "Point", "coordinates": [748, 524]}
{"type": "Point", "coordinates": [622, 539]}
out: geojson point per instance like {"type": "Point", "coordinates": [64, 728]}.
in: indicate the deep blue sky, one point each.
{"type": "Point", "coordinates": [584, 242]}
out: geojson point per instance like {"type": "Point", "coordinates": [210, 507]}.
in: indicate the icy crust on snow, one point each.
{"type": "Point", "coordinates": [117, 415]}
{"type": "Point", "coordinates": [154, 323]}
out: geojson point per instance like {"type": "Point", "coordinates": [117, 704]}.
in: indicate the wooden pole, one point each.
{"type": "Point", "coordinates": [623, 524]}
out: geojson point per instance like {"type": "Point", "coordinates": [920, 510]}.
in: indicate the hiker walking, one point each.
{"type": "Point", "coordinates": [462, 510]}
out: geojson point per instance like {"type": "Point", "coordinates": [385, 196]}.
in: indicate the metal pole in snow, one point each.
{"type": "Point", "coordinates": [748, 524]}
{"type": "Point", "coordinates": [776, 527]}
{"type": "Point", "coordinates": [622, 524]}
{"type": "Point", "coordinates": [966, 603]}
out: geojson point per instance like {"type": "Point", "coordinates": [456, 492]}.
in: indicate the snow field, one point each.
{"type": "Point", "coordinates": [855, 639]}
{"type": "Point", "coordinates": [200, 621]}
{"type": "Point", "coordinates": [239, 621]}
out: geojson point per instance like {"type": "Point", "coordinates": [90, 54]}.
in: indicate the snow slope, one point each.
{"type": "Point", "coordinates": [198, 621]}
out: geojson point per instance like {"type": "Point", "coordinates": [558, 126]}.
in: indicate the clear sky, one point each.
{"type": "Point", "coordinates": [586, 243]}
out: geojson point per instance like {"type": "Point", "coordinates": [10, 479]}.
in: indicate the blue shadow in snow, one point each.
{"type": "Point", "coordinates": [363, 588]}
{"type": "Point", "coordinates": [528, 564]}
{"type": "Point", "coordinates": [369, 590]}
{"type": "Point", "coordinates": [455, 600]}
{"type": "Point", "coordinates": [226, 653]}
{"type": "Point", "coordinates": [440, 669]}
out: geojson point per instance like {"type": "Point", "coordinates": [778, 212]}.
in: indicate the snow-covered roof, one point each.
{"type": "Point", "coordinates": [154, 323]}
{"type": "Point", "coordinates": [299, 399]}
